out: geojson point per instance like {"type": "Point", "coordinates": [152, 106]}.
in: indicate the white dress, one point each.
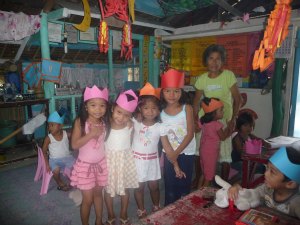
{"type": "Point", "coordinates": [122, 172]}
{"type": "Point", "coordinates": [145, 150]}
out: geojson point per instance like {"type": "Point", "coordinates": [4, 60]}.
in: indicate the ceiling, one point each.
{"type": "Point", "coordinates": [164, 13]}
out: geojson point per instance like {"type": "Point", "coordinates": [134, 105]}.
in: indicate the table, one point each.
{"type": "Point", "coordinates": [196, 209]}
{"type": "Point", "coordinates": [249, 166]}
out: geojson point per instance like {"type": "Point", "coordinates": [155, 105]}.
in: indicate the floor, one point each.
{"type": "Point", "coordinates": [7, 163]}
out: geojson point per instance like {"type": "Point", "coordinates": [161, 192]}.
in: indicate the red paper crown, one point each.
{"type": "Point", "coordinates": [148, 89]}
{"type": "Point", "coordinates": [213, 105]}
{"type": "Point", "coordinates": [172, 79]}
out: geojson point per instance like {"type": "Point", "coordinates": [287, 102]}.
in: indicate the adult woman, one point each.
{"type": "Point", "coordinates": [221, 84]}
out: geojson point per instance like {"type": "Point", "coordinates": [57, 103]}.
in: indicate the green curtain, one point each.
{"type": "Point", "coordinates": [277, 96]}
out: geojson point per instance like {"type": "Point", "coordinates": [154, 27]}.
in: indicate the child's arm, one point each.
{"type": "Point", "coordinates": [45, 153]}
{"type": "Point", "coordinates": [169, 151]}
{"type": "Point", "coordinates": [265, 144]}
{"type": "Point", "coordinates": [190, 132]}
{"type": "Point", "coordinates": [225, 133]}
{"type": "Point", "coordinates": [237, 144]}
{"type": "Point", "coordinates": [77, 140]}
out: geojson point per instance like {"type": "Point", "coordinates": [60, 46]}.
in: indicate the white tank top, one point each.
{"type": "Point", "coordinates": [59, 149]}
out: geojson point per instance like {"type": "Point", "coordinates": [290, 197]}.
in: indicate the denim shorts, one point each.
{"type": "Point", "coordinates": [65, 162]}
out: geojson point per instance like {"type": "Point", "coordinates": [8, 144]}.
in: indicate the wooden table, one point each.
{"type": "Point", "coordinates": [249, 167]}
{"type": "Point", "coordinates": [196, 209]}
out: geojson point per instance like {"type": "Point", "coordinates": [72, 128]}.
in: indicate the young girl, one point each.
{"type": "Point", "coordinates": [244, 126]}
{"type": "Point", "coordinates": [178, 119]}
{"type": "Point", "coordinates": [212, 134]}
{"type": "Point", "coordinates": [90, 170]}
{"type": "Point", "coordinates": [121, 167]}
{"type": "Point", "coordinates": [147, 134]}
{"type": "Point", "coordinates": [57, 143]}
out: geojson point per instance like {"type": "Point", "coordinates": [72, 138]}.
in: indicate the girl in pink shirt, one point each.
{"type": "Point", "coordinates": [90, 170]}
{"type": "Point", "coordinates": [212, 134]}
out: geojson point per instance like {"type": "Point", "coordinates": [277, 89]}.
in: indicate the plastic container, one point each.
{"type": "Point", "coordinates": [6, 128]}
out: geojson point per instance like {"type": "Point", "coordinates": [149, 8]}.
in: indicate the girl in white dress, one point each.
{"type": "Point", "coordinates": [147, 134]}
{"type": "Point", "coordinates": [122, 172]}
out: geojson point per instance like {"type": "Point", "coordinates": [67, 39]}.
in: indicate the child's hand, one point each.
{"type": "Point", "coordinates": [233, 192]}
{"type": "Point", "coordinates": [179, 173]}
{"type": "Point", "coordinates": [96, 130]}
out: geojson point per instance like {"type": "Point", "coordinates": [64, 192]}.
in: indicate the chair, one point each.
{"type": "Point", "coordinates": [41, 172]}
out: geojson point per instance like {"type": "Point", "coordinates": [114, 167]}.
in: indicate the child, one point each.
{"type": "Point", "coordinates": [212, 134]}
{"type": "Point", "coordinates": [282, 178]}
{"type": "Point", "coordinates": [122, 172]}
{"type": "Point", "coordinates": [90, 170]}
{"type": "Point", "coordinates": [147, 134]}
{"type": "Point", "coordinates": [178, 119]}
{"type": "Point", "coordinates": [57, 143]}
{"type": "Point", "coordinates": [244, 126]}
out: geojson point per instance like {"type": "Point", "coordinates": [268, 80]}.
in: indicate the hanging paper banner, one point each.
{"type": "Point", "coordinates": [237, 51]}
{"type": "Point", "coordinates": [146, 58]}
{"type": "Point", "coordinates": [181, 54]}
{"type": "Point", "coordinates": [198, 47]}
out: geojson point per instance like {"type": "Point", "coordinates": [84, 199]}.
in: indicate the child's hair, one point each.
{"type": "Point", "coordinates": [244, 118]}
{"type": "Point", "coordinates": [142, 101]}
{"type": "Point", "coordinates": [294, 157]}
{"type": "Point", "coordinates": [83, 116]}
{"type": "Point", "coordinates": [208, 117]}
{"type": "Point", "coordinates": [182, 100]}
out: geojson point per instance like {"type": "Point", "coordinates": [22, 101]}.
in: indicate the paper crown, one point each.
{"type": "Point", "coordinates": [253, 146]}
{"type": "Point", "coordinates": [213, 105]}
{"type": "Point", "coordinates": [281, 161]}
{"type": "Point", "coordinates": [95, 92]}
{"type": "Point", "coordinates": [148, 89]}
{"type": "Point", "coordinates": [172, 79]}
{"type": "Point", "coordinates": [56, 118]}
{"type": "Point", "coordinates": [125, 104]}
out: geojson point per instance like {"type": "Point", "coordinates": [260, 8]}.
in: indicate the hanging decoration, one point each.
{"type": "Point", "coordinates": [103, 36]}
{"type": "Point", "coordinates": [86, 22]}
{"type": "Point", "coordinates": [275, 33]}
{"type": "Point", "coordinates": [120, 9]}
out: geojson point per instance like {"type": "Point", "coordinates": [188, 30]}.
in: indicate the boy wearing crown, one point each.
{"type": "Point", "coordinates": [57, 145]}
{"type": "Point", "coordinates": [282, 178]}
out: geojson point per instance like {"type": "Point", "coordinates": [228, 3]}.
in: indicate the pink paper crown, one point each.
{"type": "Point", "coordinates": [253, 146]}
{"type": "Point", "coordinates": [125, 104]}
{"type": "Point", "coordinates": [95, 92]}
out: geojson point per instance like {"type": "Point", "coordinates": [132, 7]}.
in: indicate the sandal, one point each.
{"type": "Point", "coordinates": [125, 221]}
{"type": "Point", "coordinates": [64, 188]}
{"type": "Point", "coordinates": [110, 222]}
{"type": "Point", "coordinates": [141, 213]}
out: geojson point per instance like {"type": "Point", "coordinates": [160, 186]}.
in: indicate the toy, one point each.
{"type": "Point", "coordinates": [247, 198]}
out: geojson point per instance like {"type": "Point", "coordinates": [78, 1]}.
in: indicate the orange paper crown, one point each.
{"type": "Point", "coordinates": [213, 105]}
{"type": "Point", "coordinates": [172, 79]}
{"type": "Point", "coordinates": [148, 89]}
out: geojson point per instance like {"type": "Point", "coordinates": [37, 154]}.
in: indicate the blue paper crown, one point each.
{"type": "Point", "coordinates": [56, 118]}
{"type": "Point", "coordinates": [281, 161]}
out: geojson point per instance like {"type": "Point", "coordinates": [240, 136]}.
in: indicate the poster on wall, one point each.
{"type": "Point", "coordinates": [55, 32]}
{"type": "Point", "coordinates": [71, 33]}
{"type": "Point", "coordinates": [237, 52]}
